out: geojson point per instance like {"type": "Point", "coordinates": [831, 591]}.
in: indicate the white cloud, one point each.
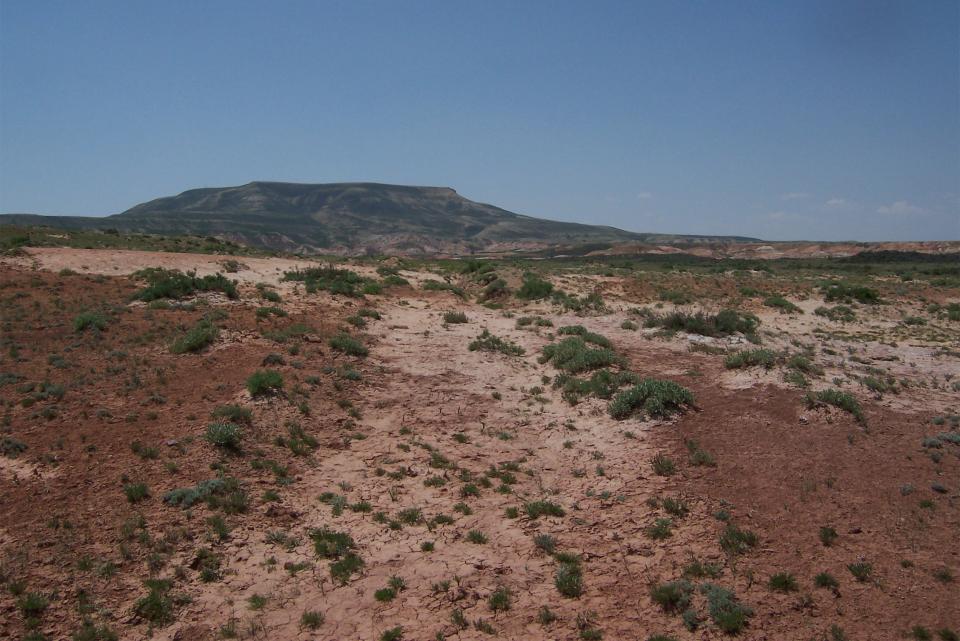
{"type": "Point", "coordinates": [901, 208]}
{"type": "Point", "coordinates": [644, 195]}
{"type": "Point", "coordinates": [795, 195]}
{"type": "Point", "coordinates": [836, 202]}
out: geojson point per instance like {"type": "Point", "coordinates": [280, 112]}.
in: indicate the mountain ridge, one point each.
{"type": "Point", "coordinates": [350, 218]}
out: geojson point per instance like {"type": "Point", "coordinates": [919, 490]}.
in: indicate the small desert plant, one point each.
{"type": "Point", "coordinates": [726, 611]}
{"type": "Point", "coordinates": [657, 398]}
{"type": "Point", "coordinates": [751, 358]}
{"type": "Point", "coordinates": [661, 529]}
{"type": "Point", "coordinates": [733, 540]}
{"type": "Point", "coordinates": [835, 397]}
{"type": "Point", "coordinates": [90, 320]}
{"type": "Point", "coordinates": [673, 596]}
{"type": "Point", "coordinates": [455, 317]}
{"type": "Point", "coordinates": [499, 600]}
{"type": "Point", "coordinates": [311, 619]}
{"type": "Point", "coordinates": [534, 288]}
{"type": "Point", "coordinates": [573, 355]}
{"type": "Point", "coordinates": [569, 578]}
{"type": "Point", "coordinates": [233, 413]}
{"type": "Point", "coordinates": [157, 606]}
{"type": "Point", "coordinates": [827, 536]}
{"type": "Point", "coordinates": [198, 337]}
{"type": "Point", "coordinates": [783, 582]}
{"type": "Point", "coordinates": [225, 435]}
{"type": "Point", "coordinates": [476, 536]}
{"type": "Point", "coordinates": [663, 466]}
{"type": "Point", "coordinates": [699, 456]}
{"type": "Point", "coordinates": [348, 345]}
{"type": "Point", "coordinates": [487, 342]}
{"type": "Point", "coordinates": [861, 571]}
{"type": "Point", "coordinates": [264, 382]}
{"type": "Point", "coordinates": [136, 492]}
{"type": "Point", "coordinates": [825, 580]}
{"type": "Point", "coordinates": [840, 313]}
{"type": "Point", "coordinates": [536, 509]}
{"type": "Point", "coordinates": [782, 305]}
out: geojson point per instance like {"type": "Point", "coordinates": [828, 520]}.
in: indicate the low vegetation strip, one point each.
{"type": "Point", "coordinates": [174, 284]}
{"type": "Point", "coordinates": [724, 323]}
{"type": "Point", "coordinates": [655, 397]}
{"type": "Point", "coordinates": [487, 342]}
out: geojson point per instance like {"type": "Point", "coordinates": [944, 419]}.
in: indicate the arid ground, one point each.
{"type": "Point", "coordinates": [345, 454]}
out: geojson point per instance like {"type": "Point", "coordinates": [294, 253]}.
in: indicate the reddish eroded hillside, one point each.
{"type": "Point", "coordinates": [424, 488]}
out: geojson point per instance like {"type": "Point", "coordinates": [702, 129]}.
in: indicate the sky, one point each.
{"type": "Point", "coordinates": [814, 120]}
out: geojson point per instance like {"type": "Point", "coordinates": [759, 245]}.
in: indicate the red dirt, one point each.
{"type": "Point", "coordinates": [783, 471]}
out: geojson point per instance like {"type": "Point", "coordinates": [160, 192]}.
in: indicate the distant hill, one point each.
{"type": "Point", "coordinates": [349, 218]}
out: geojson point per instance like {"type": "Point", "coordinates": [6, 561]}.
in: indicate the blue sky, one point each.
{"type": "Point", "coordinates": [821, 120]}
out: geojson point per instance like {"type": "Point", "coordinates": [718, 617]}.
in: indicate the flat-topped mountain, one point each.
{"type": "Point", "coordinates": [350, 218]}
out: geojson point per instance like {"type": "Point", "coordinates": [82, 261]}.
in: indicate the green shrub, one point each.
{"type": "Point", "coordinates": [536, 509]}
{"type": "Point", "coordinates": [225, 435]}
{"type": "Point", "coordinates": [437, 286]}
{"type": "Point", "coordinates": [839, 399]}
{"type": "Point", "coordinates": [804, 364]}
{"type": "Point", "coordinates": [233, 413]}
{"type": "Point", "coordinates": [782, 305]}
{"type": "Point", "coordinates": [573, 355]}
{"type": "Point", "coordinates": [673, 596]}
{"type": "Point", "coordinates": [659, 530]}
{"type": "Point", "coordinates": [343, 569]}
{"type": "Point", "coordinates": [663, 466]}
{"type": "Point", "coordinates": [329, 278]}
{"type": "Point", "coordinates": [751, 358]}
{"type": "Point", "coordinates": [11, 447]}
{"type": "Point", "coordinates": [311, 619]}
{"type": "Point", "coordinates": [264, 382]}
{"type": "Point", "coordinates": [198, 337]}
{"type": "Point", "coordinates": [846, 293]}
{"type": "Point", "coordinates": [455, 317]}
{"type": "Point", "coordinates": [657, 398]}
{"type": "Point", "coordinates": [171, 283]}
{"type": "Point", "coordinates": [861, 571]}
{"type": "Point", "coordinates": [330, 544]}
{"type": "Point", "coordinates": [825, 580]}
{"type": "Point", "coordinates": [487, 342]}
{"type": "Point", "coordinates": [157, 606]}
{"type": "Point", "coordinates": [589, 337]}
{"type": "Point", "coordinates": [724, 323]}
{"type": "Point", "coordinates": [534, 288]}
{"type": "Point", "coordinates": [726, 611]}
{"type": "Point", "coordinates": [223, 493]}
{"type": "Point", "coordinates": [136, 492]}
{"type": "Point", "coordinates": [266, 312]}
{"type": "Point", "coordinates": [347, 344]}
{"type": "Point", "coordinates": [602, 384]}
{"type": "Point", "coordinates": [840, 313]}
{"type": "Point", "coordinates": [733, 540]}
{"type": "Point", "coordinates": [783, 582]}
{"type": "Point", "coordinates": [827, 536]}
{"type": "Point", "coordinates": [90, 320]}
{"type": "Point", "coordinates": [187, 496]}
{"type": "Point", "coordinates": [499, 600]}
{"type": "Point", "coordinates": [569, 579]}
{"type": "Point", "coordinates": [497, 288]}
{"type": "Point", "coordinates": [394, 280]}
{"type": "Point", "coordinates": [32, 604]}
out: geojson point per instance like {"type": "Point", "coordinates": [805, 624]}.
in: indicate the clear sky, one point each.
{"type": "Point", "coordinates": [823, 119]}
